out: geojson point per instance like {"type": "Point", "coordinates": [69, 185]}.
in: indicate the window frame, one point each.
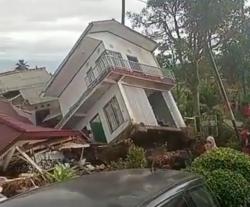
{"type": "Point", "coordinates": [119, 121]}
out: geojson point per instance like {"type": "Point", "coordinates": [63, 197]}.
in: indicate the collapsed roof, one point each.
{"type": "Point", "coordinates": [15, 129]}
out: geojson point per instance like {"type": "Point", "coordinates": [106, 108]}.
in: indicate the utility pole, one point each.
{"type": "Point", "coordinates": [223, 91]}
{"type": "Point", "coordinates": [123, 12]}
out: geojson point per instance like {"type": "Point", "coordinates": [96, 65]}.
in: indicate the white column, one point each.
{"type": "Point", "coordinates": [169, 99]}
{"type": "Point", "coordinates": [130, 112]}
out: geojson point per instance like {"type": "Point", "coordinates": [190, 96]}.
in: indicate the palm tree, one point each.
{"type": "Point", "coordinates": [22, 65]}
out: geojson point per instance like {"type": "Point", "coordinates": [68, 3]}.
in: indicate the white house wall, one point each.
{"type": "Point", "coordinates": [97, 108]}
{"type": "Point", "coordinates": [138, 102]}
{"type": "Point", "coordinates": [71, 65]}
{"type": "Point", "coordinates": [78, 85]}
{"type": "Point", "coordinates": [115, 43]}
{"type": "Point", "coordinates": [169, 99]}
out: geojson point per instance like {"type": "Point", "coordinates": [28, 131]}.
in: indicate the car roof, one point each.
{"type": "Point", "coordinates": [107, 189]}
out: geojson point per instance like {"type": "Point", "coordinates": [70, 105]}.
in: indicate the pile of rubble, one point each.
{"type": "Point", "coordinates": [35, 167]}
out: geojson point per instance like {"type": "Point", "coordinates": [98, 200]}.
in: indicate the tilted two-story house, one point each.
{"type": "Point", "coordinates": [111, 80]}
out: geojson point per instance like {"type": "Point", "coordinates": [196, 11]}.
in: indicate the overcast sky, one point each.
{"type": "Point", "coordinates": [43, 31]}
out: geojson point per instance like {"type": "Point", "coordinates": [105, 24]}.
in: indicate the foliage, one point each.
{"type": "Point", "coordinates": [63, 172]}
{"type": "Point", "coordinates": [184, 28]}
{"type": "Point", "coordinates": [119, 164]}
{"type": "Point", "coordinates": [226, 172]}
{"type": "Point", "coordinates": [224, 158]}
{"type": "Point", "coordinates": [22, 65]}
{"type": "Point", "coordinates": [231, 189]}
{"type": "Point", "coordinates": [135, 159]}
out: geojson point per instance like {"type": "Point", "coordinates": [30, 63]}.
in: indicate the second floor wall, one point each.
{"type": "Point", "coordinates": [126, 48]}
{"type": "Point", "coordinates": [109, 42]}
{"type": "Point", "coordinates": [78, 85]}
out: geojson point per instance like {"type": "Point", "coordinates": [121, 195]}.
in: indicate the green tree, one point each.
{"type": "Point", "coordinates": [184, 28]}
{"type": "Point", "coordinates": [235, 58]}
{"type": "Point", "coordinates": [22, 65]}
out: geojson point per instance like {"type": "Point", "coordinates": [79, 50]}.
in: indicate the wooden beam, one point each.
{"type": "Point", "coordinates": [29, 160]}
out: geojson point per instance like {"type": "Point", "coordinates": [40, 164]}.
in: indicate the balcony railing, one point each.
{"type": "Point", "coordinates": [107, 63]}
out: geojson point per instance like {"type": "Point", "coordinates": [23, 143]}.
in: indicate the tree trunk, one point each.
{"type": "Point", "coordinates": [196, 91]}
{"type": "Point", "coordinates": [244, 83]}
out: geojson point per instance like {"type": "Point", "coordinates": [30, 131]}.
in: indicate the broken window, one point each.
{"type": "Point", "coordinates": [113, 114]}
{"type": "Point", "coordinates": [134, 63]}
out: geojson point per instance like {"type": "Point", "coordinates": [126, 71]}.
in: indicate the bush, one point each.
{"type": "Point", "coordinates": [227, 173]}
{"type": "Point", "coordinates": [231, 189]}
{"type": "Point", "coordinates": [223, 158]}
{"type": "Point", "coordinates": [135, 159]}
{"type": "Point", "coordinates": [63, 172]}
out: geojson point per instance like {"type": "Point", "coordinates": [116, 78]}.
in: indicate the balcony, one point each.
{"type": "Point", "coordinates": [108, 64]}
{"type": "Point", "coordinates": [109, 70]}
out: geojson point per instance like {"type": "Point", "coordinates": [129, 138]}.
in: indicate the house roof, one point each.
{"type": "Point", "coordinates": [7, 109]}
{"type": "Point", "coordinates": [85, 46]}
{"type": "Point", "coordinates": [14, 128]}
{"type": "Point", "coordinates": [19, 79]}
{"type": "Point", "coordinates": [32, 95]}
{"type": "Point", "coordinates": [123, 31]}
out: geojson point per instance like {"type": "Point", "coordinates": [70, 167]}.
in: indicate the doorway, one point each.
{"type": "Point", "coordinates": [160, 108]}
{"type": "Point", "coordinates": [97, 129]}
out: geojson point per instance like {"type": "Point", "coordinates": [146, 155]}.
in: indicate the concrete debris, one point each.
{"type": "Point", "coordinates": [90, 167]}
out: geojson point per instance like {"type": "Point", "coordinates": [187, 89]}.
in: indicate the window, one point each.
{"type": "Point", "coordinates": [133, 62]}
{"type": "Point", "coordinates": [90, 75]}
{"type": "Point", "coordinates": [200, 196]}
{"type": "Point", "coordinates": [97, 129]}
{"type": "Point", "coordinates": [177, 201]}
{"type": "Point", "coordinates": [113, 114]}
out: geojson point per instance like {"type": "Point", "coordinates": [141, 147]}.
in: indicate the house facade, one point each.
{"type": "Point", "coordinates": [111, 80]}
{"type": "Point", "coordinates": [22, 88]}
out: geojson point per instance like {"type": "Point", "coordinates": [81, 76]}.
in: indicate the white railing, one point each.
{"type": "Point", "coordinates": [107, 63]}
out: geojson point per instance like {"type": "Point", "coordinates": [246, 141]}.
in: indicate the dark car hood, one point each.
{"type": "Point", "coordinates": [111, 189]}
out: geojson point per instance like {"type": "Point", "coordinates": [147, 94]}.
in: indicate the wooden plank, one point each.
{"type": "Point", "coordinates": [29, 160]}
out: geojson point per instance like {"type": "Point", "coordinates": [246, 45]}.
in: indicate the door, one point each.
{"type": "Point", "coordinates": [134, 63]}
{"type": "Point", "coordinates": [97, 129]}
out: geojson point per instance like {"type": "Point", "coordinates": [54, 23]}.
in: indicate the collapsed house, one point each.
{"type": "Point", "coordinates": [23, 88]}
{"type": "Point", "coordinates": [21, 140]}
{"type": "Point", "coordinates": [111, 82]}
